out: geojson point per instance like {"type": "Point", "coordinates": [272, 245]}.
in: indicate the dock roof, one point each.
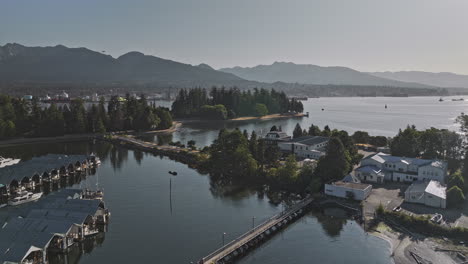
{"type": "Point", "coordinates": [36, 165]}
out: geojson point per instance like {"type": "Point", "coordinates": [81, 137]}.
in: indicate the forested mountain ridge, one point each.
{"type": "Point", "coordinates": [439, 79]}
{"type": "Point", "coordinates": [312, 74]}
{"type": "Point", "coordinates": [60, 64]}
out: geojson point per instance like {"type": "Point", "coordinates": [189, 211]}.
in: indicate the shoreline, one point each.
{"type": "Point", "coordinates": [267, 117]}
{"type": "Point", "coordinates": [244, 118]}
{"type": "Point", "coordinates": [79, 137]}
{"type": "Point", "coordinates": [404, 247]}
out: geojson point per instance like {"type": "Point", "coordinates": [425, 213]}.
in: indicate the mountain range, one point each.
{"type": "Point", "coordinates": [439, 79]}
{"type": "Point", "coordinates": [60, 65]}
{"type": "Point", "coordinates": [312, 74]}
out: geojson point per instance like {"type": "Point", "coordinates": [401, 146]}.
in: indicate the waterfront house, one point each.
{"type": "Point", "coordinates": [350, 187]}
{"type": "Point", "coordinates": [274, 137]}
{"type": "Point", "coordinates": [306, 147]}
{"type": "Point", "coordinates": [430, 193]}
{"type": "Point", "coordinates": [400, 169]}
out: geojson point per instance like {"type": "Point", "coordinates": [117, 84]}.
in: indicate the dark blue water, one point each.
{"type": "Point", "coordinates": [152, 224]}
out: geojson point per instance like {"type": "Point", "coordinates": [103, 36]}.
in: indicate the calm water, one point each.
{"type": "Point", "coordinates": [350, 114]}
{"type": "Point", "coordinates": [150, 225]}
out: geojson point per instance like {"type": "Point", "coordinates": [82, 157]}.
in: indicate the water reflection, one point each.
{"type": "Point", "coordinates": [332, 221]}
{"type": "Point", "coordinates": [75, 252]}
{"type": "Point", "coordinates": [137, 184]}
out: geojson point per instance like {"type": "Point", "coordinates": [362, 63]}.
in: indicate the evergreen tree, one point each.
{"type": "Point", "coordinates": [335, 164]}
{"type": "Point", "coordinates": [297, 131]}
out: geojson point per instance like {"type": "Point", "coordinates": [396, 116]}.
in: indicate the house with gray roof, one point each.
{"type": "Point", "coordinates": [380, 166]}
{"type": "Point", "coordinates": [430, 193]}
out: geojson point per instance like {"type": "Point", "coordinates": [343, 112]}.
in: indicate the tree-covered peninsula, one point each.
{"type": "Point", "coordinates": [221, 103]}
{"type": "Point", "coordinates": [24, 118]}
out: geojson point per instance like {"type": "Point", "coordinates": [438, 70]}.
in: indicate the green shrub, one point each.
{"type": "Point", "coordinates": [455, 196]}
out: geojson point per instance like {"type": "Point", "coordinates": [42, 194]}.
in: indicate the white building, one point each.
{"type": "Point", "coordinates": [430, 193]}
{"type": "Point", "coordinates": [307, 147]}
{"type": "Point", "coordinates": [400, 169]}
{"type": "Point", "coordinates": [348, 189]}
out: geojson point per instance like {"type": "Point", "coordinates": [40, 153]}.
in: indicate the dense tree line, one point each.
{"type": "Point", "coordinates": [235, 156]}
{"type": "Point", "coordinates": [198, 102]}
{"type": "Point", "coordinates": [431, 143]}
{"type": "Point", "coordinates": [363, 137]}
{"type": "Point", "coordinates": [20, 117]}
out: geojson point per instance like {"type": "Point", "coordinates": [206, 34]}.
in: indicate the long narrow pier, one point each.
{"type": "Point", "coordinates": [257, 235]}
{"type": "Point", "coordinates": [183, 155]}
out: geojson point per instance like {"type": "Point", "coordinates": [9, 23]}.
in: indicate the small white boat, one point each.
{"type": "Point", "coordinates": [3, 205]}
{"type": "Point", "coordinates": [94, 159]}
{"type": "Point", "coordinates": [437, 219]}
{"type": "Point", "coordinates": [24, 197]}
{"type": "Point", "coordinates": [8, 162]}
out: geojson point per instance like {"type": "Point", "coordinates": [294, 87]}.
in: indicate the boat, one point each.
{"type": "Point", "coordinates": [173, 173]}
{"type": "Point", "coordinates": [3, 205]}
{"type": "Point", "coordinates": [437, 219]}
{"type": "Point", "coordinates": [385, 106]}
{"type": "Point", "coordinates": [459, 99]}
{"type": "Point", "coordinates": [441, 100]}
{"type": "Point", "coordinates": [94, 159]}
{"type": "Point", "coordinates": [8, 162]}
{"type": "Point", "coordinates": [24, 197]}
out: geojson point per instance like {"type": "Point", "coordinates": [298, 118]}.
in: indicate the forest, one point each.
{"type": "Point", "coordinates": [23, 118]}
{"type": "Point", "coordinates": [221, 103]}
{"type": "Point", "coordinates": [237, 157]}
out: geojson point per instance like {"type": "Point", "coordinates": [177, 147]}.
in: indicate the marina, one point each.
{"type": "Point", "coordinates": [17, 189]}
{"type": "Point", "coordinates": [51, 225]}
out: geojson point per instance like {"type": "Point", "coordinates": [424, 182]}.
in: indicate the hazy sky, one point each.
{"type": "Point", "coordinates": [368, 35]}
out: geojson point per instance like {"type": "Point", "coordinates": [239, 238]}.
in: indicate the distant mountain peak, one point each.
{"type": "Point", "coordinates": [131, 54]}
{"type": "Point", "coordinates": [205, 66]}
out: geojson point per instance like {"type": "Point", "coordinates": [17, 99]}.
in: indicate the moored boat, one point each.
{"type": "Point", "coordinates": [8, 162]}
{"type": "Point", "coordinates": [94, 159]}
{"type": "Point", "coordinates": [24, 197]}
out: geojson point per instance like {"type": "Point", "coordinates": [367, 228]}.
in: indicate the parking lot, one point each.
{"type": "Point", "coordinates": [389, 195]}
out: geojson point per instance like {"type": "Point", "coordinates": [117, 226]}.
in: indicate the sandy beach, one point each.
{"type": "Point", "coordinates": [405, 249]}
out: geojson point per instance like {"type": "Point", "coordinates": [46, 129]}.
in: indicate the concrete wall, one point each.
{"type": "Point", "coordinates": [341, 191]}
{"type": "Point", "coordinates": [431, 173]}
{"type": "Point", "coordinates": [434, 201]}
{"type": "Point", "coordinates": [426, 199]}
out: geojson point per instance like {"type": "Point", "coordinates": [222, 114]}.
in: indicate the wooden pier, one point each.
{"type": "Point", "coordinates": [248, 241]}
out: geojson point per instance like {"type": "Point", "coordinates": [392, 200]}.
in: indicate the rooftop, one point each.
{"type": "Point", "coordinates": [382, 158]}
{"type": "Point", "coordinates": [310, 140]}
{"type": "Point", "coordinates": [369, 169]}
{"type": "Point", "coordinates": [436, 189]}
{"type": "Point", "coordinates": [351, 178]}
{"type": "Point", "coordinates": [432, 187]}
{"type": "Point", "coordinates": [37, 165]}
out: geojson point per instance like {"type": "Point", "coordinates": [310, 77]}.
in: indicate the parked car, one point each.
{"type": "Point", "coordinates": [397, 209]}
